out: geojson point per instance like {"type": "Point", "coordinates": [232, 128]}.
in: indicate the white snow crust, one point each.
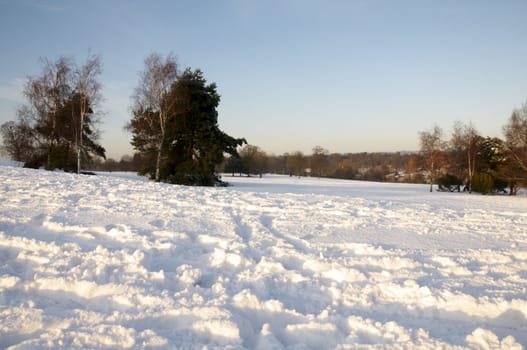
{"type": "Point", "coordinates": [115, 261]}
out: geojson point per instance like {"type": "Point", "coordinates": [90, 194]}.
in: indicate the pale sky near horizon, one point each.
{"type": "Point", "coordinates": [350, 76]}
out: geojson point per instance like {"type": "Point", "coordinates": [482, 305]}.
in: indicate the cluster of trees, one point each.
{"type": "Point", "coordinates": [466, 161]}
{"type": "Point", "coordinates": [177, 139]}
{"type": "Point", "coordinates": [477, 163]}
{"type": "Point", "coordinates": [174, 122]}
{"type": "Point", "coordinates": [57, 127]}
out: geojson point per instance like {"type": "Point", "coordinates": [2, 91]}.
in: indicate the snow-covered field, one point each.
{"type": "Point", "coordinates": [111, 261]}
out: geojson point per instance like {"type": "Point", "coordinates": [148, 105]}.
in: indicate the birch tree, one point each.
{"type": "Point", "coordinates": [516, 142]}
{"type": "Point", "coordinates": [466, 142]}
{"type": "Point", "coordinates": [151, 103]}
{"type": "Point", "coordinates": [88, 89]}
{"type": "Point", "coordinates": [432, 147]}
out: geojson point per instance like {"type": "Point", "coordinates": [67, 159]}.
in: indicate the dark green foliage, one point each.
{"type": "Point", "coordinates": [482, 183]}
{"type": "Point", "coordinates": [194, 141]}
{"type": "Point", "coordinates": [56, 128]}
{"type": "Point", "coordinates": [61, 153]}
{"type": "Point", "coordinates": [449, 183]}
{"type": "Point", "coordinates": [144, 126]}
{"type": "Point", "coordinates": [498, 162]}
{"type": "Point", "coordinates": [193, 144]}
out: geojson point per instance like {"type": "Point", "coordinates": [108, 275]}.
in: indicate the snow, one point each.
{"type": "Point", "coordinates": [114, 261]}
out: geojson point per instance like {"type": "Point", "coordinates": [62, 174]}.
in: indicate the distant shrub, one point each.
{"type": "Point", "coordinates": [344, 173]}
{"type": "Point", "coordinates": [482, 183]}
{"type": "Point", "coordinates": [449, 183]}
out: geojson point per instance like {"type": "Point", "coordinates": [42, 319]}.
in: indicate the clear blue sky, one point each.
{"type": "Point", "coordinates": [351, 76]}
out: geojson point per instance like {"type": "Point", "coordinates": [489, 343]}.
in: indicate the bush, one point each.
{"type": "Point", "coordinates": [449, 183]}
{"type": "Point", "coordinates": [482, 183]}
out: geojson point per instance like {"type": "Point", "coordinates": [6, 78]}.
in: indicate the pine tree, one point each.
{"type": "Point", "coordinates": [195, 143]}
{"type": "Point", "coordinates": [185, 145]}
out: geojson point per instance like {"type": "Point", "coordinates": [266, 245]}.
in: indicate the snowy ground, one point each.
{"type": "Point", "coordinates": [118, 262]}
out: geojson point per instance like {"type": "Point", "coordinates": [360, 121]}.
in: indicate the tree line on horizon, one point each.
{"type": "Point", "coordinates": [466, 161]}
{"type": "Point", "coordinates": [177, 139]}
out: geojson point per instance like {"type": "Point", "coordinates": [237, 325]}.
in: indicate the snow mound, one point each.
{"type": "Point", "coordinates": [114, 261]}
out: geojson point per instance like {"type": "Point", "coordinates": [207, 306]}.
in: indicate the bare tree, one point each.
{"type": "Point", "coordinates": [88, 89]}
{"type": "Point", "coordinates": [465, 145]}
{"type": "Point", "coordinates": [46, 95]}
{"type": "Point", "coordinates": [17, 140]}
{"type": "Point", "coordinates": [151, 99]}
{"type": "Point", "coordinates": [319, 161]}
{"type": "Point", "coordinates": [295, 163]}
{"type": "Point", "coordinates": [516, 140]}
{"type": "Point", "coordinates": [432, 147]}
{"type": "Point", "coordinates": [253, 159]}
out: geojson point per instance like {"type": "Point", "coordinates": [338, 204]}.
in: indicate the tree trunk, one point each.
{"type": "Point", "coordinates": [79, 147]}
{"type": "Point", "coordinates": [81, 124]}
{"type": "Point", "coordinates": [432, 176]}
{"type": "Point", "coordinates": [51, 138]}
{"type": "Point", "coordinates": [161, 140]}
{"type": "Point", "coordinates": [50, 149]}
{"type": "Point", "coordinates": [158, 163]}
{"type": "Point", "coordinates": [78, 160]}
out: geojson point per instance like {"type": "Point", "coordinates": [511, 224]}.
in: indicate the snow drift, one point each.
{"type": "Point", "coordinates": [110, 261]}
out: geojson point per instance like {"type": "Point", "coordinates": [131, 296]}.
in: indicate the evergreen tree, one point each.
{"type": "Point", "coordinates": [195, 144]}
{"type": "Point", "coordinates": [186, 144]}
{"type": "Point", "coordinates": [78, 137]}
{"type": "Point", "coordinates": [145, 139]}
{"type": "Point", "coordinates": [500, 165]}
